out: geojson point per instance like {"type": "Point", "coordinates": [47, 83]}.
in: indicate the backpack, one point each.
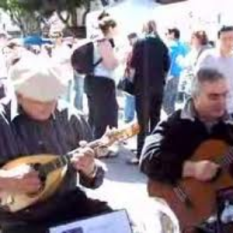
{"type": "Point", "coordinates": [82, 59]}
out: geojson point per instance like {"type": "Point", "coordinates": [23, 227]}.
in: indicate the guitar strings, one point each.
{"type": "Point", "coordinates": [230, 155]}
{"type": "Point", "coordinates": [225, 159]}
{"type": "Point", "coordinates": [228, 158]}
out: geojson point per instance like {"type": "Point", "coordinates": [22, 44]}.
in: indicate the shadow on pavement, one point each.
{"type": "Point", "coordinates": [119, 170]}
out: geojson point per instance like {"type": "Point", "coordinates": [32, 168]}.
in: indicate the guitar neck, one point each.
{"type": "Point", "coordinates": [64, 160]}
{"type": "Point", "coordinates": [107, 140]}
{"type": "Point", "coordinates": [93, 145]}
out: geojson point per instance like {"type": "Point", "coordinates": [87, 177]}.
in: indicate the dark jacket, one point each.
{"type": "Point", "coordinates": [150, 59]}
{"type": "Point", "coordinates": [61, 133]}
{"type": "Point", "coordinates": [174, 141]}
{"type": "Point", "coordinates": [22, 136]}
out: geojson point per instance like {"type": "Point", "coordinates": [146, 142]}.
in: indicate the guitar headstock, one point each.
{"type": "Point", "coordinates": [113, 135]}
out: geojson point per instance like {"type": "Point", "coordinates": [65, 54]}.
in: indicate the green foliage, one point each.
{"type": "Point", "coordinates": [11, 5]}
{"type": "Point", "coordinates": [22, 14]}
{"type": "Point", "coordinates": [21, 11]}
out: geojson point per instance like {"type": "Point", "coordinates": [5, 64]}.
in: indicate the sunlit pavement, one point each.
{"type": "Point", "coordinates": [125, 186]}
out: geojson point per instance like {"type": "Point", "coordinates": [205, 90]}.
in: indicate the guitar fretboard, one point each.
{"type": "Point", "coordinates": [110, 137]}
{"type": "Point", "coordinates": [63, 160]}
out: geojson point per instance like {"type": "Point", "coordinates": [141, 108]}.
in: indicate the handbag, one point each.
{"type": "Point", "coordinates": [126, 85]}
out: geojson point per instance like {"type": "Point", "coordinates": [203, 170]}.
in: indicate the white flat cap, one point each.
{"type": "Point", "coordinates": [38, 78]}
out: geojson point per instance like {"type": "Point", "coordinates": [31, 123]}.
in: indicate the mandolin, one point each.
{"type": "Point", "coordinates": [53, 169]}
{"type": "Point", "coordinates": [191, 200]}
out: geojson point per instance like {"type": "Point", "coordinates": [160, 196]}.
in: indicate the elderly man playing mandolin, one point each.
{"type": "Point", "coordinates": [34, 122]}
{"type": "Point", "coordinates": [183, 155]}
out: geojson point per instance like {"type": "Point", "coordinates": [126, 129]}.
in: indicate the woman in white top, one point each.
{"type": "Point", "coordinates": [199, 44]}
{"type": "Point", "coordinates": [100, 87]}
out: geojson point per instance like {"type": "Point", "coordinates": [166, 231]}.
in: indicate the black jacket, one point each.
{"type": "Point", "coordinates": [174, 141]}
{"type": "Point", "coordinates": [150, 59]}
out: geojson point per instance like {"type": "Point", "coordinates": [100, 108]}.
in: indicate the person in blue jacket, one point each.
{"type": "Point", "coordinates": [177, 50]}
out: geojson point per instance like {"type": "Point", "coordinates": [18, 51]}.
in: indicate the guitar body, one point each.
{"type": "Point", "coordinates": [202, 195]}
{"type": "Point", "coordinates": [15, 202]}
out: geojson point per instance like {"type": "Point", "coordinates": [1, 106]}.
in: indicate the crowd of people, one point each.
{"type": "Point", "coordinates": [38, 114]}
{"type": "Point", "coordinates": [159, 70]}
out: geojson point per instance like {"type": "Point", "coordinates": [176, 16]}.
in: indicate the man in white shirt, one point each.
{"type": "Point", "coordinates": [221, 59]}
{"type": "Point", "coordinates": [61, 53]}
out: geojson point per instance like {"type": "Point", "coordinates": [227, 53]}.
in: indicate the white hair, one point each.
{"type": "Point", "coordinates": [208, 75]}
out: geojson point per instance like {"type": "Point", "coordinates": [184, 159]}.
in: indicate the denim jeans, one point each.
{"type": "Point", "coordinates": [170, 95]}
{"type": "Point", "coordinates": [68, 95]}
{"type": "Point", "coordinates": [129, 110]}
{"type": "Point", "coordinates": [79, 90]}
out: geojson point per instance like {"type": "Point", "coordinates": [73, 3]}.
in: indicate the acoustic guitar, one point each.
{"type": "Point", "coordinates": [191, 200]}
{"type": "Point", "coordinates": [53, 169]}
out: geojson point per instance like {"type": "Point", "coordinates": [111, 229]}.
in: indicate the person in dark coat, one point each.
{"type": "Point", "coordinates": [167, 153]}
{"type": "Point", "coordinates": [150, 64]}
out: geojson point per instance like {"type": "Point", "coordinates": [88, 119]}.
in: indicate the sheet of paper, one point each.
{"type": "Point", "coordinates": [116, 222]}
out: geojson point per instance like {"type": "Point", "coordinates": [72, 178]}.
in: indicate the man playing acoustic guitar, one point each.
{"type": "Point", "coordinates": [167, 153]}
{"type": "Point", "coordinates": [35, 122]}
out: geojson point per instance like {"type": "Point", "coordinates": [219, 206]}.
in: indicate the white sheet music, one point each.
{"type": "Point", "coordinates": [116, 222]}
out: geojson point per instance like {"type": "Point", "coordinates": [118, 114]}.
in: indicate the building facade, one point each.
{"type": "Point", "coordinates": [169, 1]}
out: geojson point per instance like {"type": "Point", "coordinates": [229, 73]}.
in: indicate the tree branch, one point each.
{"type": "Point", "coordinates": [17, 20]}
{"type": "Point", "coordinates": [88, 8]}
{"type": "Point", "coordinates": [64, 20]}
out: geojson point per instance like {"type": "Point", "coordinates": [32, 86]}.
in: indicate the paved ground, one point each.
{"type": "Point", "coordinates": [125, 188]}
{"type": "Point", "coordinates": [124, 183]}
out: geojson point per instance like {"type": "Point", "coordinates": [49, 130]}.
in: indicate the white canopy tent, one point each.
{"type": "Point", "coordinates": [192, 15]}
{"type": "Point", "coordinates": [188, 16]}
{"type": "Point", "coordinates": [130, 15]}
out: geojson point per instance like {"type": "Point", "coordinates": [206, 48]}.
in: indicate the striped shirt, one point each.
{"type": "Point", "coordinates": [22, 136]}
